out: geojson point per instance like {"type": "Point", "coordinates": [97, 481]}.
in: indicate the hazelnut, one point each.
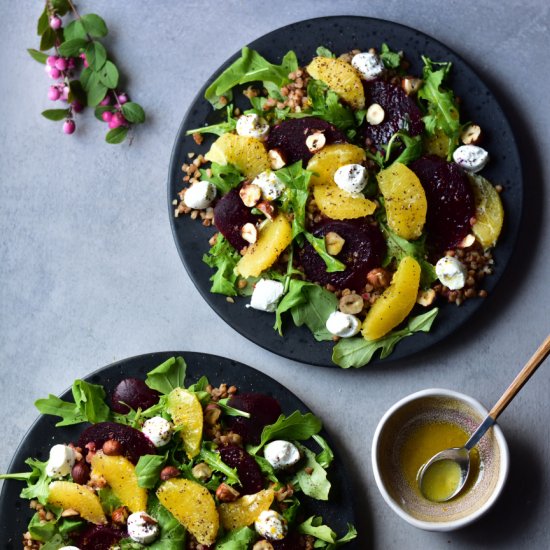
{"type": "Point", "coordinates": [263, 545]}
{"type": "Point", "coordinates": [69, 513]}
{"type": "Point", "coordinates": [351, 303]}
{"type": "Point", "coordinates": [467, 241]}
{"type": "Point", "coordinates": [276, 158]}
{"type": "Point", "coordinates": [201, 471]}
{"type": "Point", "coordinates": [212, 413]}
{"type": "Point", "coordinates": [168, 472]}
{"type": "Point", "coordinates": [226, 493]}
{"type": "Point", "coordinates": [249, 233]}
{"type": "Point", "coordinates": [250, 194]}
{"type": "Point", "coordinates": [120, 515]}
{"type": "Point", "coordinates": [268, 209]}
{"type": "Point", "coordinates": [316, 141]}
{"type": "Point", "coordinates": [375, 114]}
{"type": "Point", "coordinates": [334, 243]}
{"type": "Point", "coordinates": [112, 447]}
{"type": "Point", "coordinates": [379, 278]}
{"type": "Point", "coordinates": [411, 84]}
{"type": "Point", "coordinates": [81, 473]}
{"type": "Point", "coordinates": [425, 297]}
{"type": "Point", "coordinates": [471, 134]}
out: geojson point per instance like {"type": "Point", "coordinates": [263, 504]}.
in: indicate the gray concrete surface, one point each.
{"type": "Point", "coordinates": [89, 271]}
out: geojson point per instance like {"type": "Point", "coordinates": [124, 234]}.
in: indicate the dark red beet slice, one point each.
{"type": "Point", "coordinates": [290, 137]}
{"type": "Point", "coordinates": [230, 214]}
{"type": "Point", "coordinates": [263, 410]}
{"type": "Point", "coordinates": [134, 443]}
{"type": "Point", "coordinates": [99, 537]}
{"type": "Point", "coordinates": [450, 201]}
{"type": "Point", "coordinates": [292, 541]}
{"type": "Point", "coordinates": [400, 111]}
{"type": "Point", "coordinates": [363, 250]}
{"type": "Point", "coordinates": [248, 470]}
{"type": "Point", "coordinates": [135, 393]}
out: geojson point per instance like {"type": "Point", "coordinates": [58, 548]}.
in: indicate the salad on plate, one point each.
{"type": "Point", "coordinates": [164, 466]}
{"type": "Point", "coordinates": [346, 196]}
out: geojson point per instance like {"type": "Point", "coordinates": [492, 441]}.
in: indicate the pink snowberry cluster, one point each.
{"type": "Point", "coordinates": [114, 117]}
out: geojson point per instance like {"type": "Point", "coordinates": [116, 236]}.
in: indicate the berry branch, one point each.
{"type": "Point", "coordinates": [84, 74]}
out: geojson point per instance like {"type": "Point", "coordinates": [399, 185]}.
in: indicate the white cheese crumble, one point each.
{"type": "Point", "coordinates": [158, 430]}
{"type": "Point", "coordinates": [369, 65]}
{"type": "Point", "coordinates": [252, 126]}
{"type": "Point", "coordinates": [451, 272]}
{"type": "Point", "coordinates": [272, 187]}
{"type": "Point", "coordinates": [142, 527]}
{"type": "Point", "coordinates": [343, 325]}
{"type": "Point", "coordinates": [471, 157]}
{"type": "Point", "coordinates": [266, 295]}
{"type": "Point", "coordinates": [351, 178]}
{"type": "Point", "coordinates": [200, 195]}
{"type": "Point", "coordinates": [281, 454]}
{"type": "Point", "coordinates": [271, 525]}
{"type": "Point", "coordinates": [61, 461]}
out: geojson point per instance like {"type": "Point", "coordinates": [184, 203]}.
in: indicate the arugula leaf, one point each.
{"type": "Point", "coordinates": [168, 375]}
{"type": "Point", "coordinates": [231, 411]}
{"type": "Point", "coordinates": [296, 426]}
{"type": "Point", "coordinates": [266, 469]}
{"type": "Point", "coordinates": [391, 60]}
{"type": "Point", "coordinates": [129, 544]}
{"type": "Point", "coordinates": [54, 543]}
{"type": "Point", "coordinates": [412, 147]}
{"type": "Point", "coordinates": [224, 176]}
{"type": "Point", "coordinates": [55, 406]}
{"type": "Point", "coordinates": [326, 456]}
{"type": "Point", "coordinates": [357, 352]}
{"type": "Point", "coordinates": [215, 462]}
{"type": "Point", "coordinates": [40, 529]}
{"type": "Point", "coordinates": [236, 539]}
{"type": "Point", "coordinates": [172, 533]}
{"type": "Point", "coordinates": [37, 480]}
{"type": "Point", "coordinates": [148, 469]}
{"type": "Point", "coordinates": [109, 501]}
{"type": "Point", "coordinates": [314, 484]}
{"type": "Point", "coordinates": [200, 385]}
{"type": "Point", "coordinates": [296, 180]}
{"type": "Point", "coordinates": [314, 526]}
{"type": "Point", "coordinates": [319, 246]}
{"type": "Point", "coordinates": [442, 109]}
{"type": "Point", "coordinates": [250, 67]}
{"type": "Point", "coordinates": [321, 51]}
{"type": "Point", "coordinates": [224, 258]}
{"type": "Point", "coordinates": [218, 129]}
{"type": "Point", "coordinates": [291, 512]}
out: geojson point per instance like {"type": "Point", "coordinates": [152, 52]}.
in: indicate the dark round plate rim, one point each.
{"type": "Point", "coordinates": [292, 345]}
{"type": "Point", "coordinates": [249, 378]}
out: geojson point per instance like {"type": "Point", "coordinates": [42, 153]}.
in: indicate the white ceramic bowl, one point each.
{"type": "Point", "coordinates": [441, 516]}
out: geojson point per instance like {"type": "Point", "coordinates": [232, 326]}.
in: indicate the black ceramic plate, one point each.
{"type": "Point", "coordinates": [15, 512]}
{"type": "Point", "coordinates": [341, 34]}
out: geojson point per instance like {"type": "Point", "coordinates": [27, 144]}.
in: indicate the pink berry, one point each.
{"type": "Point", "coordinates": [61, 64]}
{"type": "Point", "coordinates": [107, 116]}
{"type": "Point", "coordinates": [54, 73]}
{"type": "Point", "coordinates": [77, 106]}
{"type": "Point", "coordinates": [106, 101]}
{"type": "Point", "coordinates": [83, 57]}
{"type": "Point", "coordinates": [122, 99]}
{"type": "Point", "coordinates": [65, 93]}
{"type": "Point", "coordinates": [71, 63]}
{"type": "Point", "coordinates": [51, 60]}
{"type": "Point", "coordinates": [54, 93]}
{"type": "Point", "coordinates": [56, 23]}
{"type": "Point", "coordinates": [69, 127]}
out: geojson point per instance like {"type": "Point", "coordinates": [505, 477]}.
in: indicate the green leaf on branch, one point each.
{"type": "Point", "coordinates": [55, 114]}
{"type": "Point", "coordinates": [133, 112]}
{"type": "Point", "coordinates": [61, 7]}
{"type": "Point", "coordinates": [88, 78]}
{"type": "Point", "coordinates": [357, 352]}
{"type": "Point", "coordinates": [108, 75]}
{"type": "Point", "coordinates": [76, 92]}
{"type": "Point", "coordinates": [95, 93]}
{"type": "Point", "coordinates": [38, 56]}
{"type": "Point", "coordinates": [48, 39]}
{"type": "Point", "coordinates": [96, 56]}
{"type": "Point", "coordinates": [94, 25]}
{"type": "Point", "coordinates": [73, 47]}
{"type": "Point", "coordinates": [74, 30]}
{"type": "Point", "coordinates": [117, 135]}
{"type": "Point", "coordinates": [43, 23]}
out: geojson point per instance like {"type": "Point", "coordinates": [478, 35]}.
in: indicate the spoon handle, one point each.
{"type": "Point", "coordinates": [519, 381]}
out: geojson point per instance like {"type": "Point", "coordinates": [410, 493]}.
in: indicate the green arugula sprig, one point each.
{"type": "Point", "coordinates": [326, 537]}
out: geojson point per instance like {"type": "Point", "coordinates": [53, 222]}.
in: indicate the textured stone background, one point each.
{"type": "Point", "coordinates": [89, 273]}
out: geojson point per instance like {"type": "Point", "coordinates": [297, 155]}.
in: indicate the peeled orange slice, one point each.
{"type": "Point", "coordinates": [245, 510]}
{"type": "Point", "coordinates": [489, 211]}
{"type": "Point", "coordinates": [72, 496]}
{"type": "Point", "coordinates": [186, 412]}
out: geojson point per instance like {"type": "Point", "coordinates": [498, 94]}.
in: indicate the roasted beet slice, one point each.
{"type": "Point", "coordinates": [248, 470]}
{"type": "Point", "coordinates": [450, 201]}
{"type": "Point", "coordinates": [363, 250]}
{"type": "Point", "coordinates": [290, 137]}
{"type": "Point", "coordinates": [293, 541]}
{"type": "Point", "coordinates": [230, 214]}
{"type": "Point", "coordinates": [400, 111]}
{"type": "Point", "coordinates": [134, 443]}
{"type": "Point", "coordinates": [135, 393]}
{"type": "Point", "coordinates": [263, 410]}
{"type": "Point", "coordinates": [99, 537]}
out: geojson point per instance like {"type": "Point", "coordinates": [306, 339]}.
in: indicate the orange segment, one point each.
{"type": "Point", "coordinates": [405, 200]}
{"type": "Point", "coordinates": [186, 412]}
{"type": "Point", "coordinates": [274, 237]}
{"type": "Point", "coordinates": [247, 154]}
{"type": "Point", "coordinates": [193, 506]}
{"type": "Point", "coordinates": [489, 211]}
{"type": "Point", "coordinates": [395, 303]}
{"type": "Point", "coordinates": [68, 495]}
{"type": "Point", "coordinates": [120, 474]}
{"type": "Point", "coordinates": [245, 510]}
{"type": "Point", "coordinates": [437, 144]}
{"type": "Point", "coordinates": [341, 77]}
{"type": "Point", "coordinates": [325, 163]}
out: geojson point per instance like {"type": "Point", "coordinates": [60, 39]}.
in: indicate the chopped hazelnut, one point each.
{"type": "Point", "coordinates": [120, 515]}
{"type": "Point", "coordinates": [249, 233]}
{"type": "Point", "coordinates": [112, 447]}
{"type": "Point", "coordinates": [316, 141]}
{"type": "Point", "coordinates": [379, 278]}
{"type": "Point", "coordinates": [471, 135]}
{"type": "Point", "coordinates": [276, 158]}
{"type": "Point", "coordinates": [426, 297]}
{"type": "Point", "coordinates": [168, 472]}
{"type": "Point", "coordinates": [226, 493]}
{"type": "Point", "coordinates": [334, 243]}
{"type": "Point", "coordinates": [467, 241]}
{"type": "Point", "coordinates": [250, 194]}
{"type": "Point", "coordinates": [263, 545]}
{"type": "Point", "coordinates": [269, 210]}
{"type": "Point", "coordinates": [375, 114]}
{"type": "Point", "coordinates": [201, 471]}
{"type": "Point", "coordinates": [351, 303]}
{"type": "Point", "coordinates": [411, 85]}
